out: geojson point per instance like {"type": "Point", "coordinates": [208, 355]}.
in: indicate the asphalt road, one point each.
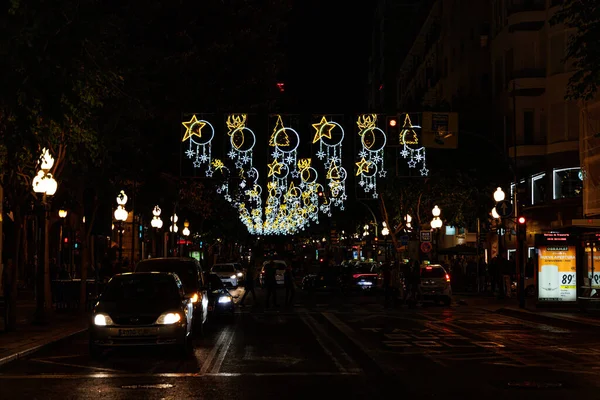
{"type": "Point", "coordinates": [330, 346]}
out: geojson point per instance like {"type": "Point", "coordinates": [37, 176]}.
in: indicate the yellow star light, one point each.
{"type": "Point", "coordinates": [275, 168]}
{"type": "Point", "coordinates": [323, 129]}
{"type": "Point", "coordinates": [193, 128]}
{"type": "Point", "coordinates": [363, 166]}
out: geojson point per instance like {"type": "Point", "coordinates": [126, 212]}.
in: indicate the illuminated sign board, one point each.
{"type": "Point", "coordinates": [556, 270]}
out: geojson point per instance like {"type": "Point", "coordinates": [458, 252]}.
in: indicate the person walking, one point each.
{"type": "Point", "coordinates": [290, 290]}
{"type": "Point", "coordinates": [271, 284]}
{"type": "Point", "coordinates": [249, 285]}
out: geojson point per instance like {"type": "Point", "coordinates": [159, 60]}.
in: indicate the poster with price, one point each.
{"type": "Point", "coordinates": [556, 273]}
{"type": "Point", "coordinates": [593, 267]}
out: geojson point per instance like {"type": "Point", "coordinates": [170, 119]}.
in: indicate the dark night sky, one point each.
{"type": "Point", "coordinates": [328, 51]}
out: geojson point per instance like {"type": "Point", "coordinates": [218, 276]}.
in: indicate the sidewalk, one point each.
{"type": "Point", "coordinates": [28, 338]}
{"type": "Point", "coordinates": [510, 307]}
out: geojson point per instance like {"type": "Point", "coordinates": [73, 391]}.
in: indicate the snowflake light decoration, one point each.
{"type": "Point", "coordinates": [370, 166]}
{"type": "Point", "coordinates": [416, 155]}
{"type": "Point", "coordinates": [199, 134]}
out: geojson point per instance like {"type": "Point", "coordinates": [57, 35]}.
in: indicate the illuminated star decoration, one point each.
{"type": "Point", "coordinates": [330, 135]}
{"type": "Point", "coordinates": [416, 155]}
{"type": "Point", "coordinates": [371, 166]}
{"type": "Point", "coordinates": [199, 134]}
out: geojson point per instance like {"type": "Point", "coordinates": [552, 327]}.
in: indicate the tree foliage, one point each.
{"type": "Point", "coordinates": [584, 17]}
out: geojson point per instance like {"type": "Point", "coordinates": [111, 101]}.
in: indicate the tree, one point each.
{"type": "Point", "coordinates": [584, 17]}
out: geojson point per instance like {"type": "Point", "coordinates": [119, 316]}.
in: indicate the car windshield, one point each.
{"type": "Point", "coordinates": [215, 282]}
{"type": "Point", "coordinates": [185, 270]}
{"type": "Point", "coordinates": [433, 272]}
{"type": "Point", "coordinates": [141, 288]}
{"type": "Point", "coordinates": [223, 268]}
{"type": "Point", "coordinates": [364, 268]}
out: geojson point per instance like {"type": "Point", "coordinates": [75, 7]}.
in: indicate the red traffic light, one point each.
{"type": "Point", "coordinates": [522, 220]}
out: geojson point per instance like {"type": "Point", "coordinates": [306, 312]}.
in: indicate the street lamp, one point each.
{"type": "Point", "coordinates": [45, 184]}
{"type": "Point", "coordinates": [186, 229]}
{"type": "Point", "coordinates": [62, 214]}
{"type": "Point", "coordinates": [436, 224]}
{"type": "Point", "coordinates": [121, 215]}
{"type": "Point", "coordinates": [385, 232]}
{"type": "Point", "coordinates": [156, 223]}
{"type": "Point", "coordinates": [495, 214]}
{"type": "Point", "coordinates": [408, 222]}
{"type": "Point", "coordinates": [499, 195]}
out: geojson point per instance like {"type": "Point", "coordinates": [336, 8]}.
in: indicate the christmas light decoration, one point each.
{"type": "Point", "coordinates": [242, 141]}
{"type": "Point", "coordinates": [371, 164]}
{"type": "Point", "coordinates": [330, 135]}
{"type": "Point", "coordinates": [416, 155]}
{"type": "Point", "coordinates": [199, 134]}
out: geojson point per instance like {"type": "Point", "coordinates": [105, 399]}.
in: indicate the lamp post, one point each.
{"type": "Point", "coordinates": [121, 215]}
{"type": "Point", "coordinates": [156, 223]}
{"type": "Point", "coordinates": [174, 229]}
{"type": "Point", "coordinates": [436, 224]}
{"type": "Point", "coordinates": [186, 233]}
{"type": "Point", "coordinates": [62, 214]}
{"type": "Point", "coordinates": [45, 184]}
{"type": "Point", "coordinates": [385, 232]}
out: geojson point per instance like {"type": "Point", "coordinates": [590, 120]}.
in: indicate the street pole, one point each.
{"type": "Point", "coordinates": [120, 244]}
{"type": "Point", "coordinates": [47, 292]}
{"type": "Point", "coordinates": [478, 254]}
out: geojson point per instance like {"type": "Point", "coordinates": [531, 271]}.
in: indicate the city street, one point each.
{"type": "Point", "coordinates": [330, 345]}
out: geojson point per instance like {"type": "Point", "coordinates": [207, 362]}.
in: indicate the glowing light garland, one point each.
{"type": "Point", "coordinates": [371, 164]}
{"type": "Point", "coordinates": [415, 155]}
{"type": "Point", "coordinates": [330, 135]}
{"type": "Point", "coordinates": [199, 133]}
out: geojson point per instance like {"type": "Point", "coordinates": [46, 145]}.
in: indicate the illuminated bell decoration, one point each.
{"type": "Point", "coordinates": [371, 164]}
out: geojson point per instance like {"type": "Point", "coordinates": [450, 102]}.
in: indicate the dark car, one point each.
{"type": "Point", "coordinates": [142, 309]}
{"type": "Point", "coordinates": [359, 276]}
{"type": "Point", "coordinates": [190, 273]}
{"type": "Point", "coordinates": [220, 300]}
{"type": "Point", "coordinates": [326, 278]}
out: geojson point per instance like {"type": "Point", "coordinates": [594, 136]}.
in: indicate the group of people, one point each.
{"type": "Point", "coordinates": [401, 283]}
{"type": "Point", "coordinates": [270, 284]}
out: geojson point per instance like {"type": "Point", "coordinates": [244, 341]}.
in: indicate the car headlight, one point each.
{"type": "Point", "coordinates": [103, 320]}
{"type": "Point", "coordinates": [168, 318]}
{"type": "Point", "coordinates": [194, 298]}
{"type": "Point", "coordinates": [239, 274]}
{"type": "Point", "coordinates": [232, 276]}
{"type": "Point", "coordinates": [224, 299]}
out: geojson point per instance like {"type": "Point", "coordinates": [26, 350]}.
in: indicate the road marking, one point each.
{"type": "Point", "coordinates": [207, 363]}
{"type": "Point", "coordinates": [223, 353]}
{"type": "Point", "coordinates": [172, 375]}
{"type": "Point", "coordinates": [74, 365]}
{"type": "Point", "coordinates": [322, 337]}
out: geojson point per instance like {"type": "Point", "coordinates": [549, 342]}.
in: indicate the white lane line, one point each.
{"type": "Point", "coordinates": [353, 337]}
{"type": "Point", "coordinates": [206, 364]}
{"type": "Point", "coordinates": [322, 337]}
{"type": "Point", "coordinates": [223, 353]}
{"type": "Point", "coordinates": [75, 365]}
{"type": "Point", "coordinates": [173, 375]}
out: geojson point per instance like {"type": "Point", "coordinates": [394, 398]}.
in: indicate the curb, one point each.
{"type": "Point", "coordinates": [555, 320]}
{"type": "Point", "coordinates": [31, 350]}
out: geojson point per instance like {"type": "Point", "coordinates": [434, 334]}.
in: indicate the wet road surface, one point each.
{"type": "Point", "coordinates": [330, 346]}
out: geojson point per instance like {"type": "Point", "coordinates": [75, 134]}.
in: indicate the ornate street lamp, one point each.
{"type": "Point", "coordinates": [157, 224]}
{"type": "Point", "coordinates": [121, 215]}
{"type": "Point", "coordinates": [499, 195]}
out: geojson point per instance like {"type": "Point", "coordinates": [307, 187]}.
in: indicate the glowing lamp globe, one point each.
{"type": "Point", "coordinates": [62, 213]}
{"type": "Point", "coordinates": [186, 231]}
{"type": "Point", "coordinates": [495, 214]}
{"type": "Point", "coordinates": [122, 198]}
{"type": "Point", "coordinates": [499, 195]}
{"type": "Point", "coordinates": [436, 211]}
{"type": "Point", "coordinates": [50, 185]}
{"type": "Point", "coordinates": [156, 212]}
{"type": "Point", "coordinates": [46, 160]}
{"type": "Point", "coordinates": [385, 231]}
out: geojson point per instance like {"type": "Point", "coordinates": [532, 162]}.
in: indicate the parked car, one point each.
{"type": "Point", "coordinates": [280, 267]}
{"type": "Point", "coordinates": [191, 274]}
{"type": "Point", "coordinates": [435, 284]}
{"type": "Point", "coordinates": [146, 308]}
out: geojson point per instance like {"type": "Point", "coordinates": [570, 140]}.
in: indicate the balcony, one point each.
{"type": "Point", "coordinates": [524, 14]}
{"type": "Point", "coordinates": [527, 6]}
{"type": "Point", "coordinates": [528, 81]}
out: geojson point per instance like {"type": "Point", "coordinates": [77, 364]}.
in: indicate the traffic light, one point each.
{"type": "Point", "coordinates": [392, 127]}
{"type": "Point", "coordinates": [521, 229]}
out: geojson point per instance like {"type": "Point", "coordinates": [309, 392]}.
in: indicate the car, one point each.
{"type": "Point", "coordinates": [228, 274]}
{"type": "Point", "coordinates": [280, 267]}
{"type": "Point", "coordinates": [190, 272]}
{"type": "Point", "coordinates": [325, 278]}
{"type": "Point", "coordinates": [435, 284]}
{"type": "Point", "coordinates": [220, 301]}
{"type": "Point", "coordinates": [142, 308]}
{"type": "Point", "coordinates": [359, 276]}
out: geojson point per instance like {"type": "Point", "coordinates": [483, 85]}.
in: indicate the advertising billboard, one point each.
{"type": "Point", "coordinates": [557, 273]}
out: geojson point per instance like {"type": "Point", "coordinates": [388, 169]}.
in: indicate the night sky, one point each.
{"type": "Point", "coordinates": [328, 51]}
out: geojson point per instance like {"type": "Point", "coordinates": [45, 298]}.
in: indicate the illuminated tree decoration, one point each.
{"type": "Point", "coordinates": [278, 138]}
{"type": "Point", "coordinates": [199, 134]}
{"type": "Point", "coordinates": [330, 135]}
{"type": "Point", "coordinates": [416, 155]}
{"type": "Point", "coordinates": [242, 141]}
{"type": "Point", "coordinates": [371, 164]}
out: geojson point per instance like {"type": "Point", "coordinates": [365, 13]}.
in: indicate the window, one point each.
{"type": "Point", "coordinates": [567, 183]}
{"type": "Point", "coordinates": [538, 188]}
{"type": "Point", "coordinates": [511, 254]}
{"type": "Point", "coordinates": [528, 126]}
{"type": "Point", "coordinates": [520, 191]}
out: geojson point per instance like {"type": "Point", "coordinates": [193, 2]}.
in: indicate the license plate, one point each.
{"type": "Point", "coordinates": [133, 332]}
{"type": "Point", "coordinates": [210, 308]}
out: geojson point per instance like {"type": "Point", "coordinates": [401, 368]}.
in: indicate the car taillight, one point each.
{"type": "Point", "coordinates": [447, 278]}
{"type": "Point", "coordinates": [356, 276]}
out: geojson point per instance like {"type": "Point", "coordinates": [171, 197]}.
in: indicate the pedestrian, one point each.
{"type": "Point", "coordinates": [290, 290]}
{"type": "Point", "coordinates": [249, 285]}
{"type": "Point", "coordinates": [271, 284]}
